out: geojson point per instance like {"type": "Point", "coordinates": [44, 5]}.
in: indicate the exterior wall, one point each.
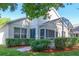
{"type": "Point", "coordinates": [66, 32]}
{"type": "Point", "coordinates": [53, 14]}
{"type": "Point", "coordinates": [75, 31]}
{"type": "Point", "coordinates": [76, 34]}
{"type": "Point", "coordinates": [4, 34]}
{"type": "Point", "coordinates": [38, 21]}
{"type": "Point", "coordinates": [35, 23]}
{"type": "Point", "coordinates": [59, 29]}
{"type": "Point", "coordinates": [20, 24]}
{"type": "Point", "coordinates": [50, 25]}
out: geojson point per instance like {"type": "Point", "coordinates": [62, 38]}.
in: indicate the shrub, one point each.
{"type": "Point", "coordinates": [17, 42]}
{"type": "Point", "coordinates": [28, 41]}
{"type": "Point", "coordinates": [70, 42]}
{"type": "Point", "coordinates": [39, 45]}
{"type": "Point", "coordinates": [59, 43]}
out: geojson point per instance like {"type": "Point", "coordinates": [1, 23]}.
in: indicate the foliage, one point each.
{"type": "Point", "coordinates": [12, 52]}
{"type": "Point", "coordinates": [5, 6]}
{"type": "Point", "coordinates": [3, 21]}
{"type": "Point", "coordinates": [70, 42]}
{"type": "Point", "coordinates": [35, 10]}
{"type": "Point", "coordinates": [17, 42]}
{"type": "Point", "coordinates": [39, 45]}
{"type": "Point", "coordinates": [59, 43]}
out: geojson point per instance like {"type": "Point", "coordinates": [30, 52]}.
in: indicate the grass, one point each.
{"type": "Point", "coordinates": [12, 52]}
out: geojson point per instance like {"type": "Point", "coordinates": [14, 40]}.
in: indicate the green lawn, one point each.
{"type": "Point", "coordinates": [12, 52]}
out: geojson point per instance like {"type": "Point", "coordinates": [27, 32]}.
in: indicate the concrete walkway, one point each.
{"type": "Point", "coordinates": [24, 49]}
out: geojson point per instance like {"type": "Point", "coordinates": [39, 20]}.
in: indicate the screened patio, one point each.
{"type": "Point", "coordinates": [48, 34]}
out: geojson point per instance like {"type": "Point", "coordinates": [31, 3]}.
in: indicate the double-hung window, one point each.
{"type": "Point", "coordinates": [23, 33]}
{"type": "Point", "coordinates": [49, 33]}
{"type": "Point", "coordinates": [41, 33]}
{"type": "Point", "coordinates": [16, 32]}
{"type": "Point", "coordinates": [20, 32]}
{"type": "Point", "coordinates": [32, 33]}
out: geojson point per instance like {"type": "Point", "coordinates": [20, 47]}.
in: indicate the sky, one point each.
{"type": "Point", "coordinates": [13, 15]}
{"type": "Point", "coordinates": [70, 12]}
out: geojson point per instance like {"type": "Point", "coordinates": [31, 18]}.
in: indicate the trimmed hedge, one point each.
{"type": "Point", "coordinates": [40, 44]}
{"type": "Point", "coordinates": [70, 42]}
{"type": "Point", "coordinates": [61, 43]}
{"type": "Point", "coordinates": [18, 42]}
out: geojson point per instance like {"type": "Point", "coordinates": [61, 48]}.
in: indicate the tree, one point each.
{"type": "Point", "coordinates": [35, 10]}
{"type": "Point", "coordinates": [32, 10]}
{"type": "Point", "coordinates": [4, 21]}
{"type": "Point", "coordinates": [5, 6]}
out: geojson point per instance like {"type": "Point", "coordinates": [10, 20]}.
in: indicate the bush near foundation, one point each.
{"type": "Point", "coordinates": [18, 42]}
{"type": "Point", "coordinates": [61, 43]}
{"type": "Point", "coordinates": [40, 44]}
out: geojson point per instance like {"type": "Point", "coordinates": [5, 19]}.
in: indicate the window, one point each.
{"type": "Point", "coordinates": [23, 33]}
{"type": "Point", "coordinates": [76, 35]}
{"type": "Point", "coordinates": [16, 32]}
{"type": "Point", "coordinates": [20, 32]}
{"type": "Point", "coordinates": [50, 33]}
{"type": "Point", "coordinates": [56, 34]}
{"type": "Point", "coordinates": [41, 33]}
{"type": "Point", "coordinates": [32, 33]}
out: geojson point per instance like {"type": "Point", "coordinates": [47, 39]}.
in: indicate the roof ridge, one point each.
{"type": "Point", "coordinates": [14, 21]}
{"type": "Point", "coordinates": [17, 19]}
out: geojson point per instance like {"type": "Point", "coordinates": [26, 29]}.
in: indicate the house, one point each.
{"type": "Point", "coordinates": [75, 30]}
{"type": "Point", "coordinates": [38, 28]}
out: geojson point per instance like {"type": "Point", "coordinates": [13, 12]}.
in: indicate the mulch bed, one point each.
{"type": "Point", "coordinates": [51, 50]}
{"type": "Point", "coordinates": [54, 50]}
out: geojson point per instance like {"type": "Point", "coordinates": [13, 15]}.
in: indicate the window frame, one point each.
{"type": "Point", "coordinates": [50, 33]}
{"type": "Point", "coordinates": [42, 33]}
{"type": "Point", "coordinates": [15, 32]}
{"type": "Point", "coordinates": [20, 32]}
{"type": "Point", "coordinates": [32, 33]}
{"type": "Point", "coordinates": [24, 34]}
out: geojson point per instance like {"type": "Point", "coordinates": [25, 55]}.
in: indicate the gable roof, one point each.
{"type": "Point", "coordinates": [16, 20]}
{"type": "Point", "coordinates": [61, 18]}
{"type": "Point", "coordinates": [13, 21]}
{"type": "Point", "coordinates": [50, 21]}
{"type": "Point", "coordinates": [66, 22]}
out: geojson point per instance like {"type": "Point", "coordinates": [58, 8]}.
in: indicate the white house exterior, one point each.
{"type": "Point", "coordinates": [38, 28]}
{"type": "Point", "coordinates": [75, 30]}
